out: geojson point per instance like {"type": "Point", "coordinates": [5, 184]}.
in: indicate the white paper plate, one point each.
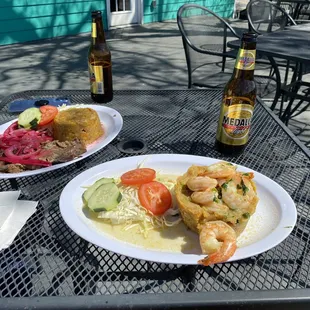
{"type": "Point", "coordinates": [112, 122]}
{"type": "Point", "coordinates": [272, 222]}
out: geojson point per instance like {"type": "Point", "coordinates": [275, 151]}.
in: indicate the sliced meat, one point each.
{"type": "Point", "coordinates": [60, 152]}
{"type": "Point", "coordinates": [3, 167]}
{"type": "Point", "coordinates": [11, 168]}
{"type": "Point", "coordinates": [15, 168]}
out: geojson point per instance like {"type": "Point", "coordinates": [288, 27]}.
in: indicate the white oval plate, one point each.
{"type": "Point", "coordinates": [272, 222]}
{"type": "Point", "coordinates": [112, 122]}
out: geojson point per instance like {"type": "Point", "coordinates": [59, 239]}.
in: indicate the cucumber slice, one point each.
{"type": "Point", "coordinates": [105, 198]}
{"type": "Point", "coordinates": [30, 118]}
{"type": "Point", "coordinates": [87, 194]}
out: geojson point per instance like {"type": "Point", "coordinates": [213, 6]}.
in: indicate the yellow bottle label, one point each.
{"type": "Point", "coordinates": [93, 30]}
{"type": "Point", "coordinates": [245, 59]}
{"type": "Point", "coordinates": [96, 78]}
{"type": "Point", "coordinates": [235, 121]}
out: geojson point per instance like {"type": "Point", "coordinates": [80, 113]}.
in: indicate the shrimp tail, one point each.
{"type": "Point", "coordinates": [217, 257]}
{"type": "Point", "coordinates": [218, 240]}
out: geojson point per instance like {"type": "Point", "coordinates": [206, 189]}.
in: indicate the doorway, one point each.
{"type": "Point", "coordinates": [123, 12]}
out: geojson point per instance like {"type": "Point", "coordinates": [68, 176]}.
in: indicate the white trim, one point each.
{"type": "Point", "coordinates": [108, 12]}
{"type": "Point", "coordinates": [140, 12]}
{"type": "Point", "coordinates": [139, 9]}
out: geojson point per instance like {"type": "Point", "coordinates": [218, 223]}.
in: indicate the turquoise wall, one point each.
{"type": "Point", "coordinates": [27, 20]}
{"type": "Point", "coordinates": [167, 9]}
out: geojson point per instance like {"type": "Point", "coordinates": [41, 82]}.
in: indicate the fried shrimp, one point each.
{"type": "Point", "coordinates": [216, 202]}
{"type": "Point", "coordinates": [201, 183]}
{"type": "Point", "coordinates": [205, 197]}
{"type": "Point", "coordinates": [220, 170]}
{"type": "Point", "coordinates": [240, 193]}
{"type": "Point", "coordinates": [218, 240]}
{"type": "Point", "coordinates": [217, 207]}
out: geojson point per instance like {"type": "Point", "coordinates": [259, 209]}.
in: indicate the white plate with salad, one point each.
{"type": "Point", "coordinates": [122, 227]}
{"type": "Point", "coordinates": [111, 122]}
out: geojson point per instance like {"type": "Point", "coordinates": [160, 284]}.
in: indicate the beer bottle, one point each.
{"type": "Point", "coordinates": [238, 101]}
{"type": "Point", "coordinates": [99, 62]}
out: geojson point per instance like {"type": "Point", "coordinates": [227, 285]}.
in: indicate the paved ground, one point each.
{"type": "Point", "coordinates": [149, 56]}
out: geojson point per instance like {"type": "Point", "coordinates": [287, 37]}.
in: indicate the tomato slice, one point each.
{"type": "Point", "coordinates": [48, 114]}
{"type": "Point", "coordinates": [155, 197]}
{"type": "Point", "coordinates": [138, 176]}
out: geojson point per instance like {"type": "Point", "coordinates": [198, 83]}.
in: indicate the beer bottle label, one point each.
{"type": "Point", "coordinates": [245, 59]}
{"type": "Point", "coordinates": [96, 77]}
{"type": "Point", "coordinates": [93, 30]}
{"type": "Point", "coordinates": [235, 121]}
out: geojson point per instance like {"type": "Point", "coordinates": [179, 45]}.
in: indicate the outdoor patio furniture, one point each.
{"type": "Point", "coordinates": [291, 44]}
{"type": "Point", "coordinates": [304, 11]}
{"type": "Point", "coordinates": [300, 8]}
{"type": "Point", "coordinates": [266, 16]}
{"type": "Point", "coordinates": [287, 6]}
{"type": "Point", "coordinates": [50, 267]}
{"type": "Point", "coordinates": [204, 37]}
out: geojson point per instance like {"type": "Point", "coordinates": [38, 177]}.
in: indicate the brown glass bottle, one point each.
{"type": "Point", "coordinates": [99, 63]}
{"type": "Point", "coordinates": [238, 101]}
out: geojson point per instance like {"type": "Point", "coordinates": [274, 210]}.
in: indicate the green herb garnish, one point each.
{"type": "Point", "coordinates": [225, 184]}
{"type": "Point", "coordinates": [244, 188]}
{"type": "Point", "coordinates": [246, 215]}
{"type": "Point", "coordinates": [215, 199]}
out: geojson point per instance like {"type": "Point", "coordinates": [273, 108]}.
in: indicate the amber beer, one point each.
{"type": "Point", "coordinates": [99, 62]}
{"type": "Point", "coordinates": [238, 100]}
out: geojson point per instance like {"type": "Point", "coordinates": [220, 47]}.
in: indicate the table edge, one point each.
{"type": "Point", "coordinates": [274, 299]}
{"type": "Point", "coordinates": [271, 54]}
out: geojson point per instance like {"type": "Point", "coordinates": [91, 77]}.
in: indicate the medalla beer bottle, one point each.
{"type": "Point", "coordinates": [99, 62]}
{"type": "Point", "coordinates": [238, 100]}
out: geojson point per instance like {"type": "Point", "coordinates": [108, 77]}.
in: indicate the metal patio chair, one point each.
{"type": "Point", "coordinates": [266, 16]}
{"type": "Point", "coordinates": [204, 37]}
{"type": "Point", "coordinates": [304, 11]}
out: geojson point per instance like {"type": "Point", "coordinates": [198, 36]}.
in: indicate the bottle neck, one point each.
{"type": "Point", "coordinates": [245, 61]}
{"type": "Point", "coordinates": [97, 31]}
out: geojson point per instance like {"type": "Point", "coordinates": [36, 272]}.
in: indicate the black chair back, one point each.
{"type": "Point", "coordinates": [266, 16]}
{"type": "Point", "coordinates": [204, 36]}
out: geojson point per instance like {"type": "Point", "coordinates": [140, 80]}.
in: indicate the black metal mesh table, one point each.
{"type": "Point", "coordinates": [49, 266]}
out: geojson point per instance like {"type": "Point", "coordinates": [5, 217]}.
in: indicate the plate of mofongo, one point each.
{"type": "Point", "coordinates": [178, 209]}
{"type": "Point", "coordinates": [111, 123]}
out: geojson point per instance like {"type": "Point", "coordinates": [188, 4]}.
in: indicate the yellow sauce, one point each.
{"type": "Point", "coordinates": [177, 239]}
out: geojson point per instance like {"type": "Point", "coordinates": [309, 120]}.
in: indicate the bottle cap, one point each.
{"type": "Point", "coordinates": [96, 14]}
{"type": "Point", "coordinates": [249, 37]}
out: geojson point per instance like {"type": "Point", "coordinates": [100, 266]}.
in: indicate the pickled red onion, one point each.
{"type": "Point", "coordinates": [33, 162]}
{"type": "Point", "coordinates": [22, 146]}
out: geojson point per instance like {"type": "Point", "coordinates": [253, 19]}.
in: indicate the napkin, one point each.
{"type": "Point", "coordinates": [14, 214]}
{"type": "Point", "coordinates": [7, 204]}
